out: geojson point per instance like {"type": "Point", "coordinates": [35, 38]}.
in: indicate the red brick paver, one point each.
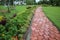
{"type": "Point", "coordinates": [42, 28]}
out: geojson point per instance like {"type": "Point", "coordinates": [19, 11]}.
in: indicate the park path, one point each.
{"type": "Point", "coordinates": [42, 28]}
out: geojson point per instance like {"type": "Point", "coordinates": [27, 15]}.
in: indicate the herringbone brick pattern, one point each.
{"type": "Point", "coordinates": [42, 28]}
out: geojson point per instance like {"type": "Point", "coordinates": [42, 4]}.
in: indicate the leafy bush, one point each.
{"type": "Point", "coordinates": [2, 20]}
{"type": "Point", "coordinates": [45, 5]}
{"type": "Point", "coordinates": [16, 26]}
{"type": "Point", "coordinates": [28, 7]}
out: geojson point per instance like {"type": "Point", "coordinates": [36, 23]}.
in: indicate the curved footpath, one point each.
{"type": "Point", "coordinates": [42, 28]}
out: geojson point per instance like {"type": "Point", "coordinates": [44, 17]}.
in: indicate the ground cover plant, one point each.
{"type": "Point", "coordinates": [16, 23]}
{"type": "Point", "coordinates": [53, 13]}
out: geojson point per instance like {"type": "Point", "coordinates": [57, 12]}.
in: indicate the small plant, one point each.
{"type": "Point", "coordinates": [28, 7]}
{"type": "Point", "coordinates": [2, 20]}
{"type": "Point", "coordinates": [14, 15]}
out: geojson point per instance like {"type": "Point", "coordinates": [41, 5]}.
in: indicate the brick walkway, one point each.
{"type": "Point", "coordinates": [42, 28]}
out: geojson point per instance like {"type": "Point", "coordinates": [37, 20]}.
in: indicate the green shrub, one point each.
{"type": "Point", "coordinates": [16, 26]}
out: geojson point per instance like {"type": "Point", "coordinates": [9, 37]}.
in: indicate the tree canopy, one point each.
{"type": "Point", "coordinates": [31, 2]}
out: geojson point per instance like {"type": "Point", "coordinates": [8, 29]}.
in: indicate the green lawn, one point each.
{"type": "Point", "coordinates": [53, 14]}
{"type": "Point", "coordinates": [17, 10]}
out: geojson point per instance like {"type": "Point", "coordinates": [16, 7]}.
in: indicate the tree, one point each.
{"type": "Point", "coordinates": [30, 2]}
{"type": "Point", "coordinates": [55, 2]}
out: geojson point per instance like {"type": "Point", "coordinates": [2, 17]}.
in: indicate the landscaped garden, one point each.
{"type": "Point", "coordinates": [16, 22]}
{"type": "Point", "coordinates": [53, 13]}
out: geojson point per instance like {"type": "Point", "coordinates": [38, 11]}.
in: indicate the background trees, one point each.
{"type": "Point", "coordinates": [55, 2]}
{"type": "Point", "coordinates": [30, 2]}
{"type": "Point", "coordinates": [51, 2]}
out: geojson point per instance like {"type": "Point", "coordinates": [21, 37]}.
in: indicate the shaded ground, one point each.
{"type": "Point", "coordinates": [42, 28]}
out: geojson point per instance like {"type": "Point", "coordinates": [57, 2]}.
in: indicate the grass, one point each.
{"type": "Point", "coordinates": [2, 7]}
{"type": "Point", "coordinates": [17, 10]}
{"type": "Point", "coordinates": [53, 14]}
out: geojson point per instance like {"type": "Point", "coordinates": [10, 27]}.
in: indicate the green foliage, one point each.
{"type": "Point", "coordinates": [50, 2]}
{"type": "Point", "coordinates": [16, 26]}
{"type": "Point", "coordinates": [30, 2]}
{"type": "Point", "coordinates": [55, 2]}
{"type": "Point", "coordinates": [2, 29]}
